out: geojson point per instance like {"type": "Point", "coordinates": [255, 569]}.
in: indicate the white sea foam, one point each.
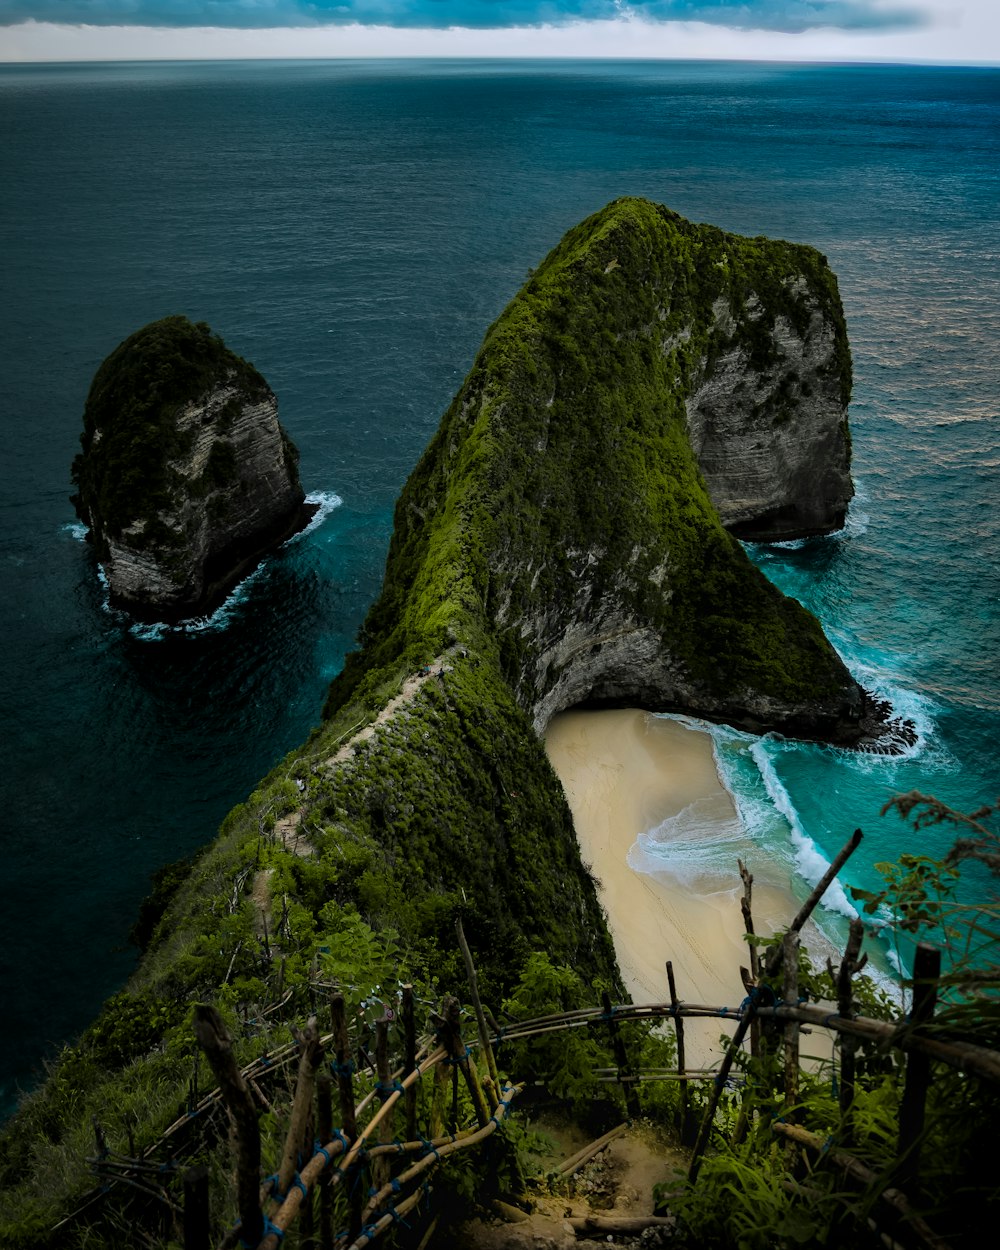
{"type": "Point", "coordinates": [326, 502]}
{"type": "Point", "coordinates": [77, 530]}
{"type": "Point", "coordinates": [810, 862]}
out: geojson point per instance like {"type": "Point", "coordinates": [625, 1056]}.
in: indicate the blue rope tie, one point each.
{"type": "Point", "coordinates": [395, 1214]}
{"type": "Point", "coordinates": [385, 1089]}
{"type": "Point", "coordinates": [321, 1150]}
{"type": "Point", "coordinates": [342, 1139]}
{"type": "Point", "coordinates": [342, 1069]}
{"type": "Point", "coordinates": [505, 1103]}
{"type": "Point", "coordinates": [270, 1227]}
{"type": "Point", "coordinates": [431, 1147]}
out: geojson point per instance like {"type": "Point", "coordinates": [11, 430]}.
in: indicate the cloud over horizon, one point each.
{"type": "Point", "coordinates": [786, 16]}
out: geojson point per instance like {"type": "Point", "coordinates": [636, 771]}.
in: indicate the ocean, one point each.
{"type": "Point", "coordinates": [353, 228]}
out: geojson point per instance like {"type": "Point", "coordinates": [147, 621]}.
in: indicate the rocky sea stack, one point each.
{"type": "Point", "coordinates": [186, 478]}
{"type": "Point", "coordinates": [654, 386]}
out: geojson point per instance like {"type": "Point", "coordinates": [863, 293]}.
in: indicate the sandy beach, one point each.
{"type": "Point", "coordinates": [625, 772]}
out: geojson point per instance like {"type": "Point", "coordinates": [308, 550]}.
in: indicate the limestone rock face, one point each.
{"type": "Point", "coordinates": [186, 478]}
{"type": "Point", "coordinates": [653, 387]}
{"type": "Point", "coordinates": [767, 419]}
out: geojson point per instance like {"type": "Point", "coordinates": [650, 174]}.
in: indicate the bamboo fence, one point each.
{"type": "Point", "coordinates": [317, 1157]}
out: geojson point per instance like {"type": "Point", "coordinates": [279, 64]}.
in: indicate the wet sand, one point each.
{"type": "Point", "coordinates": [625, 772]}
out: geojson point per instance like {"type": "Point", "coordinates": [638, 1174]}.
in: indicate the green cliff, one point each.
{"type": "Point", "coordinates": [555, 545]}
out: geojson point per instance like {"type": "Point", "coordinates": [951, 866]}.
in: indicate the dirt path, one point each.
{"type": "Point", "coordinates": [619, 1182]}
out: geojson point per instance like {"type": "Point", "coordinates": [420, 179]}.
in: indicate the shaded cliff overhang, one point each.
{"type": "Point", "coordinates": [185, 478]}
{"type": "Point", "coordinates": [561, 511]}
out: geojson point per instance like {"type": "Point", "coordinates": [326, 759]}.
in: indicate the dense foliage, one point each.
{"type": "Point", "coordinates": [130, 434]}
{"type": "Point", "coordinates": [757, 1190]}
{"type": "Point", "coordinates": [561, 485]}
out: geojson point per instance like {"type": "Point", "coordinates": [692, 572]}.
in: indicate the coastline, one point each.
{"type": "Point", "coordinates": [625, 772]}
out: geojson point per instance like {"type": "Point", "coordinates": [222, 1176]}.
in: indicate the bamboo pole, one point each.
{"type": "Point", "coordinates": [214, 1039]}
{"type": "Point", "coordinates": [439, 1101]}
{"type": "Point", "coordinates": [576, 1161]}
{"type": "Point", "coordinates": [344, 1068]}
{"type": "Point", "coordinates": [849, 965]}
{"type": "Point", "coordinates": [773, 959]}
{"type": "Point", "coordinates": [484, 1033]}
{"type": "Point", "coordinates": [750, 981]}
{"type": "Point", "coordinates": [608, 1226]}
{"type": "Point", "coordinates": [854, 1167]}
{"type": "Point", "coordinates": [964, 1056]}
{"type": "Point", "coordinates": [926, 970]}
{"type": "Point", "coordinates": [372, 1231]}
{"type": "Point", "coordinates": [450, 1032]}
{"type": "Point", "coordinates": [686, 1124]}
{"type": "Point", "coordinates": [382, 1166]}
{"type": "Point", "coordinates": [409, 1059]}
{"type": "Point", "coordinates": [283, 1218]}
{"type": "Point", "coordinates": [621, 1057]}
{"type": "Point", "coordinates": [324, 1127]}
{"type": "Point", "coordinates": [309, 1061]}
{"type": "Point", "coordinates": [196, 1214]}
{"type": "Point", "coordinates": [434, 1156]}
{"type": "Point", "coordinates": [713, 1103]}
{"type": "Point", "coordinates": [791, 995]}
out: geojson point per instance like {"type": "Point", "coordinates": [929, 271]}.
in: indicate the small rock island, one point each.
{"type": "Point", "coordinates": [186, 478]}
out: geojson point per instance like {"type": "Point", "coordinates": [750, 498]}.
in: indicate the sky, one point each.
{"type": "Point", "coordinates": [937, 31]}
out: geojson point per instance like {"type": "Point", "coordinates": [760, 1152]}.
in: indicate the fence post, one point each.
{"type": "Point", "coordinates": [214, 1039]}
{"type": "Point", "coordinates": [449, 1029]}
{"type": "Point", "coordinates": [926, 970]}
{"type": "Point", "coordinates": [754, 971]}
{"type": "Point", "coordinates": [324, 1128]}
{"type": "Point", "coordinates": [790, 993]}
{"type": "Point", "coordinates": [345, 1086]}
{"type": "Point", "coordinates": [382, 1165]}
{"type": "Point", "coordinates": [849, 965]}
{"type": "Point", "coordinates": [717, 1088]}
{"type": "Point", "coordinates": [621, 1057]}
{"type": "Point", "coordinates": [309, 1060]}
{"type": "Point", "coordinates": [409, 1061]}
{"type": "Point", "coordinates": [484, 1033]}
{"type": "Point", "coordinates": [196, 1214]}
{"type": "Point", "coordinates": [686, 1125]}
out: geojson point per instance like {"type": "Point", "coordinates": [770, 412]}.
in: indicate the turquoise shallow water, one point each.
{"type": "Point", "coordinates": [353, 228]}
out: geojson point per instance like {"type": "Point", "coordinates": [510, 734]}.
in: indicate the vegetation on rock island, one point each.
{"type": "Point", "coordinates": [130, 435]}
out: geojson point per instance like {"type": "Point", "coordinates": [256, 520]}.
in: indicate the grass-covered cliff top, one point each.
{"type": "Point", "coordinates": [130, 433]}
{"type": "Point", "coordinates": [561, 493]}
{"type": "Point", "coordinates": [559, 500]}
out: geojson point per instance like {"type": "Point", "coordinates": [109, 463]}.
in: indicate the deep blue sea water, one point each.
{"type": "Point", "coordinates": [353, 228]}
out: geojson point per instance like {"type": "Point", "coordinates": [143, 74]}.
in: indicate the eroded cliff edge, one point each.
{"type": "Point", "coordinates": [186, 478]}
{"type": "Point", "coordinates": [561, 511]}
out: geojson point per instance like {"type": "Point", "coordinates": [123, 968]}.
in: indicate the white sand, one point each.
{"type": "Point", "coordinates": [624, 772]}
